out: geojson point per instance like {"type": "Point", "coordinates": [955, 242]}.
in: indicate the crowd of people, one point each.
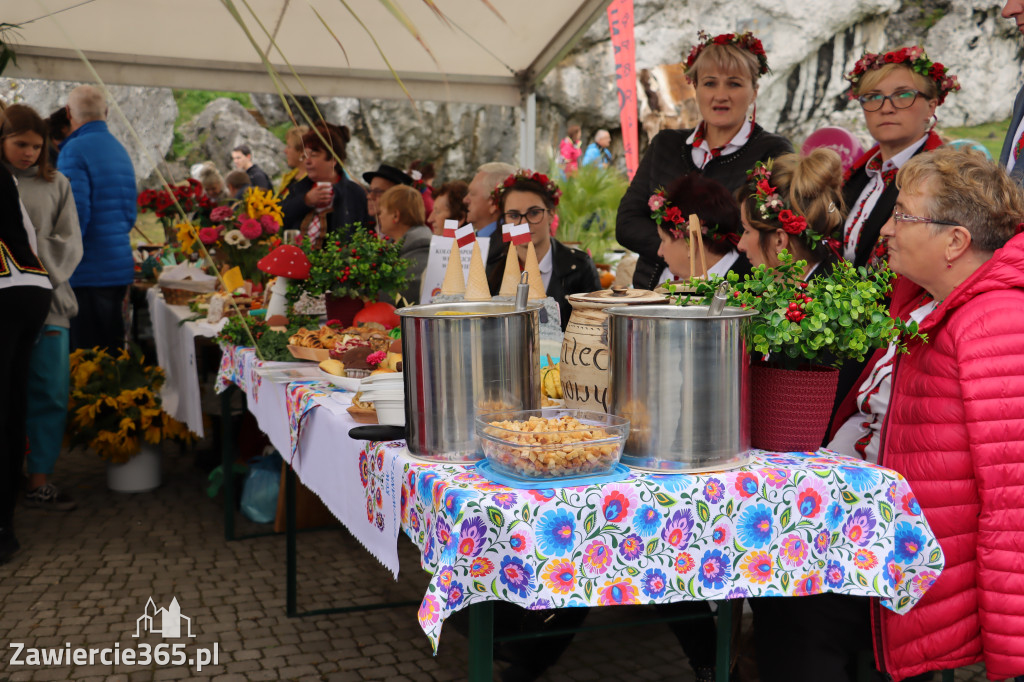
{"type": "Point", "coordinates": [949, 415]}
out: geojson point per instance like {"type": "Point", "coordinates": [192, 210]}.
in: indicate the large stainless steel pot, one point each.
{"type": "Point", "coordinates": [682, 379]}
{"type": "Point", "coordinates": [461, 359]}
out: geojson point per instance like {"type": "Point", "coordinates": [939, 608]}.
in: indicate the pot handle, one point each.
{"type": "Point", "coordinates": [377, 432]}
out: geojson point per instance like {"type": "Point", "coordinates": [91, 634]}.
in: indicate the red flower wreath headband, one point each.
{"type": "Point", "coordinates": [744, 41]}
{"type": "Point", "coordinates": [772, 206]}
{"type": "Point", "coordinates": [526, 174]}
{"type": "Point", "coordinates": [672, 220]}
{"type": "Point", "coordinates": [913, 58]}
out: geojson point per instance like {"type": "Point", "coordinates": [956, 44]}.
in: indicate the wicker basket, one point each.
{"type": "Point", "coordinates": [178, 296]}
{"type": "Point", "coordinates": [790, 408]}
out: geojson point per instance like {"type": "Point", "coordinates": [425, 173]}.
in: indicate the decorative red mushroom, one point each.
{"type": "Point", "coordinates": [285, 262]}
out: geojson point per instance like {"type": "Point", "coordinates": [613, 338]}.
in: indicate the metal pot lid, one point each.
{"type": "Point", "coordinates": [619, 296]}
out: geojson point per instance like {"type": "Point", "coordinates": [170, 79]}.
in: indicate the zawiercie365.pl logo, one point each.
{"type": "Point", "coordinates": [168, 622]}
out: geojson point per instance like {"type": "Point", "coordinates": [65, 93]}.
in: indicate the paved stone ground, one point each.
{"type": "Point", "coordinates": [84, 578]}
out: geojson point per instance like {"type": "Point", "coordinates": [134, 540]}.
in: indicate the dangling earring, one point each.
{"type": "Point", "coordinates": [935, 120]}
{"type": "Point", "coordinates": [753, 114]}
{"type": "Point", "coordinates": [949, 266]}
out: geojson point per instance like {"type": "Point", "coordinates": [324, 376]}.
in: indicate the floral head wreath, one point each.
{"type": "Point", "coordinates": [772, 206]}
{"type": "Point", "coordinates": [913, 58]}
{"type": "Point", "coordinates": [547, 183]}
{"type": "Point", "coordinates": [672, 220]}
{"type": "Point", "coordinates": [744, 41]}
{"type": "Point", "coordinates": [418, 183]}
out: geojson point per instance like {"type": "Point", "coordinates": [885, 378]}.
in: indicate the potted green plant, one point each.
{"type": "Point", "coordinates": [802, 332]}
{"type": "Point", "coordinates": [352, 273]}
{"type": "Point", "coordinates": [114, 409]}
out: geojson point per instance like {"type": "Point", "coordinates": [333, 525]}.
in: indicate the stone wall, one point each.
{"type": "Point", "coordinates": [152, 112]}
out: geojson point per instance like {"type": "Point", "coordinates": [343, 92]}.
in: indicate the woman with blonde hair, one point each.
{"type": "Point", "coordinates": [954, 425]}
{"type": "Point", "coordinates": [899, 92]}
{"type": "Point", "coordinates": [401, 219]}
{"type": "Point", "coordinates": [725, 145]}
{"type": "Point", "coordinates": [792, 203]}
{"type": "Point", "coordinates": [293, 157]}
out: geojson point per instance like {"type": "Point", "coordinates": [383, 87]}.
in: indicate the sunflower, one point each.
{"type": "Point", "coordinates": [186, 236]}
{"type": "Point", "coordinates": [83, 371]}
{"type": "Point", "coordinates": [259, 202]}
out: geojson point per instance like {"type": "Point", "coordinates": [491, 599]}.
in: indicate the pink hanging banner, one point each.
{"type": "Point", "coordinates": [620, 23]}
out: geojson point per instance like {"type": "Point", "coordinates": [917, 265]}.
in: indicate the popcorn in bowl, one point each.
{"type": "Point", "coordinates": [551, 443]}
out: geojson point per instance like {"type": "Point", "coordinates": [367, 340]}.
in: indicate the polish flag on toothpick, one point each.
{"type": "Point", "coordinates": [450, 226]}
{"type": "Point", "coordinates": [519, 234]}
{"type": "Point", "coordinates": [465, 236]}
{"type": "Point", "coordinates": [506, 232]}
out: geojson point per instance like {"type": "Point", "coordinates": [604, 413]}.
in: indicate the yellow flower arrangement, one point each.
{"type": "Point", "coordinates": [115, 405]}
{"type": "Point", "coordinates": [261, 202]}
{"type": "Point", "coordinates": [186, 234]}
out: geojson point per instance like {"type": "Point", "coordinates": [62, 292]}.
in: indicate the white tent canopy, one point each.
{"type": "Point", "coordinates": [480, 57]}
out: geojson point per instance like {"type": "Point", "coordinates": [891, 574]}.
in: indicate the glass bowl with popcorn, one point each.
{"type": "Point", "coordinates": [553, 443]}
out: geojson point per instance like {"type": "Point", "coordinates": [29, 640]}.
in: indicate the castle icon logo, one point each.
{"type": "Point", "coordinates": [165, 622]}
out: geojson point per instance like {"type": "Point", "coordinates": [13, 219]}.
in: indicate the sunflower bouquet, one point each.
{"type": "Point", "coordinates": [114, 405]}
{"type": "Point", "coordinates": [241, 234]}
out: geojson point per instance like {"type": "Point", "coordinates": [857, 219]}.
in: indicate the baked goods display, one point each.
{"type": "Point", "coordinates": [361, 411]}
{"type": "Point", "coordinates": [350, 346]}
{"type": "Point", "coordinates": [571, 443]}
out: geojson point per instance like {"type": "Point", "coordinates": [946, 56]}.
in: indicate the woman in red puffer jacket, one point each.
{"type": "Point", "coordinates": [955, 422]}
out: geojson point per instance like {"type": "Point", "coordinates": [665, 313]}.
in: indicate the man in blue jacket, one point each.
{"type": "Point", "coordinates": [103, 182]}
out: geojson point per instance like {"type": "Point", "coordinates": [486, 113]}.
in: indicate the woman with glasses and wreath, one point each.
{"type": "Point", "coordinates": [899, 92]}
{"type": "Point", "coordinates": [955, 422]}
{"type": "Point", "coordinates": [724, 71]}
{"type": "Point", "coordinates": [529, 197]}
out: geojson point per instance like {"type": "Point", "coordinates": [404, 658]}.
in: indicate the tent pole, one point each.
{"type": "Point", "coordinates": [528, 131]}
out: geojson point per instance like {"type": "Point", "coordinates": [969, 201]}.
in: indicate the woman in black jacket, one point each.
{"type": "Point", "coordinates": [325, 200]}
{"type": "Point", "coordinates": [25, 292]}
{"type": "Point", "coordinates": [724, 71]}
{"type": "Point", "coordinates": [529, 197]}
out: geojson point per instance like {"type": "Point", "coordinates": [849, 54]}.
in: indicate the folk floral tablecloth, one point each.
{"type": "Point", "coordinates": [289, 401]}
{"type": "Point", "coordinates": [785, 525]}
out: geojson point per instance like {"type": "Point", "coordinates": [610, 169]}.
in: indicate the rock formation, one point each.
{"type": "Point", "coordinates": [152, 112]}
{"type": "Point", "coordinates": [223, 125]}
{"type": "Point", "coordinates": [811, 44]}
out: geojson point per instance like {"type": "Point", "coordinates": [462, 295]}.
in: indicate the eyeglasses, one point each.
{"type": "Point", "coordinates": [873, 101]}
{"type": "Point", "coordinates": [533, 216]}
{"type": "Point", "coordinates": [376, 192]}
{"type": "Point", "coordinates": [904, 218]}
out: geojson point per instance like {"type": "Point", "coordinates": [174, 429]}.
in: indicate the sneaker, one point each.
{"type": "Point", "coordinates": [49, 496]}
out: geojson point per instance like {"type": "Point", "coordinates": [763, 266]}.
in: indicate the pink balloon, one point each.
{"type": "Point", "coordinates": [839, 140]}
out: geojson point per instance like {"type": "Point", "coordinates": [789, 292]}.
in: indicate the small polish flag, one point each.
{"type": "Point", "coordinates": [506, 232]}
{"type": "Point", "coordinates": [520, 234]}
{"type": "Point", "coordinates": [449, 228]}
{"type": "Point", "coordinates": [465, 235]}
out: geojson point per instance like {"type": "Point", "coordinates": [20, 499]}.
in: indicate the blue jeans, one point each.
{"type": "Point", "coordinates": [49, 378]}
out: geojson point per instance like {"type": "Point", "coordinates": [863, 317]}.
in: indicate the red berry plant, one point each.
{"type": "Point", "coordinates": [364, 265]}
{"type": "Point", "coordinates": [839, 315]}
